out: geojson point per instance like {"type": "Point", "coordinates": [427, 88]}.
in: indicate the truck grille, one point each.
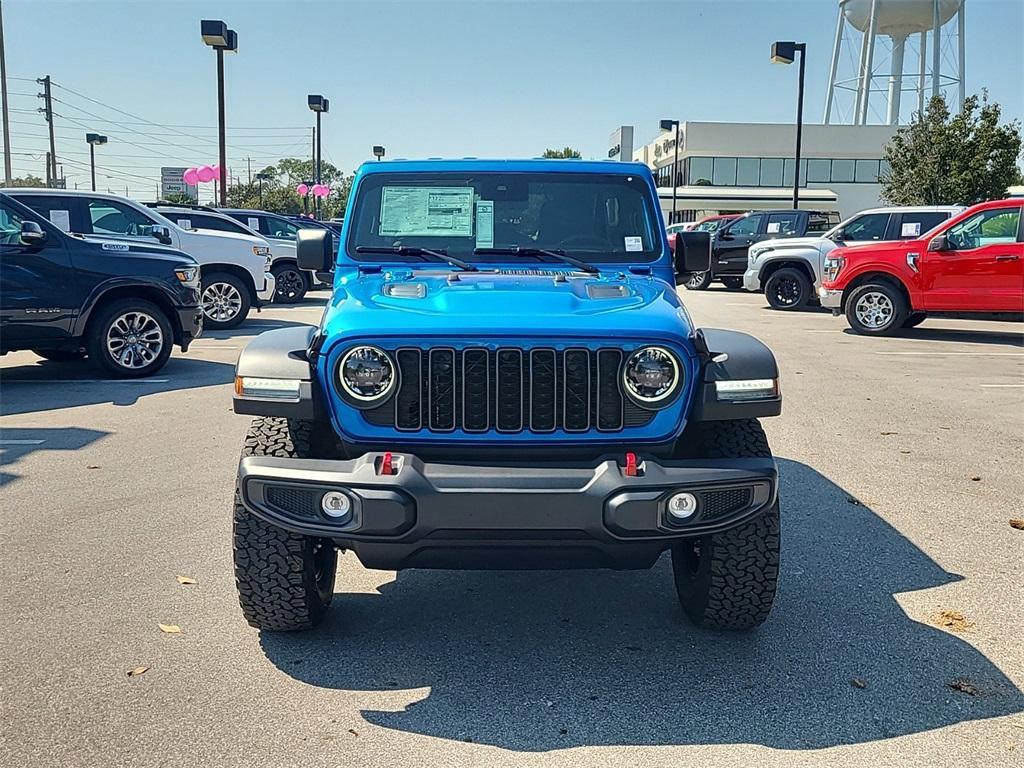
{"type": "Point", "coordinates": [508, 389]}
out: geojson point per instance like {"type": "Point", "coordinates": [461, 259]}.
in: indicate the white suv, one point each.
{"type": "Point", "coordinates": [789, 269]}
{"type": "Point", "coordinates": [233, 267]}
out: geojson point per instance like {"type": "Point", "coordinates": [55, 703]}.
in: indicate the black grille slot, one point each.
{"type": "Point", "coordinates": [476, 405]}
{"type": "Point", "coordinates": [543, 386]}
{"type": "Point", "coordinates": [509, 389]}
{"type": "Point", "coordinates": [609, 397]}
{"type": "Point", "coordinates": [720, 503]}
{"type": "Point", "coordinates": [441, 395]}
{"type": "Point", "coordinates": [408, 413]}
{"type": "Point", "coordinates": [294, 501]}
{"type": "Point", "coordinates": [576, 402]}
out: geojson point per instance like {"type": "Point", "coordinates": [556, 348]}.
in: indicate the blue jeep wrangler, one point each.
{"type": "Point", "coordinates": [505, 378]}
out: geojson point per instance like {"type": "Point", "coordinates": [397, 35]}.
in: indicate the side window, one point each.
{"type": "Point", "coordinates": [10, 225]}
{"type": "Point", "coordinates": [991, 227]}
{"type": "Point", "coordinates": [783, 224]}
{"type": "Point", "coordinates": [216, 224]}
{"type": "Point", "coordinates": [818, 223]}
{"type": "Point", "coordinates": [56, 209]}
{"type": "Point", "coordinates": [280, 228]}
{"type": "Point", "coordinates": [746, 227]}
{"type": "Point", "coordinates": [870, 226]}
{"type": "Point", "coordinates": [109, 217]}
{"type": "Point", "coordinates": [916, 224]}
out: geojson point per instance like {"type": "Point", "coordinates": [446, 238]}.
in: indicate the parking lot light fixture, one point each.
{"type": "Point", "coordinates": [378, 151]}
{"type": "Point", "coordinates": [673, 125]}
{"type": "Point", "coordinates": [785, 53]}
{"type": "Point", "coordinates": [216, 34]}
{"type": "Point", "coordinates": [93, 140]}
{"type": "Point", "coordinates": [319, 105]}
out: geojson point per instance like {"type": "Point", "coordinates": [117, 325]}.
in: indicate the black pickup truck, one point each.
{"type": "Point", "coordinates": [67, 297]}
{"type": "Point", "coordinates": [730, 243]}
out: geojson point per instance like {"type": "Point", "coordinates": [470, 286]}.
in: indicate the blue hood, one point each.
{"type": "Point", "coordinates": [550, 302]}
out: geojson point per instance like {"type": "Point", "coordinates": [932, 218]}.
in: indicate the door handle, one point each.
{"type": "Point", "coordinates": [1007, 258]}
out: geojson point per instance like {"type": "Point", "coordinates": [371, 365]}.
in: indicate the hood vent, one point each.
{"type": "Point", "coordinates": [405, 290]}
{"type": "Point", "coordinates": [537, 272]}
{"type": "Point", "coordinates": [599, 291]}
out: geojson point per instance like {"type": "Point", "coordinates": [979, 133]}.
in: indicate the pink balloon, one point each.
{"type": "Point", "coordinates": [302, 190]}
{"type": "Point", "coordinates": [190, 176]}
{"type": "Point", "coordinates": [205, 174]}
{"type": "Point", "coordinates": [216, 170]}
{"type": "Point", "coordinates": [321, 190]}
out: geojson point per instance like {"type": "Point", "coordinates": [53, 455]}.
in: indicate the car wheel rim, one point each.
{"type": "Point", "coordinates": [289, 284]}
{"type": "Point", "coordinates": [134, 340]}
{"type": "Point", "coordinates": [874, 310]}
{"type": "Point", "coordinates": [221, 302]}
{"type": "Point", "coordinates": [695, 280]}
{"type": "Point", "coordinates": [787, 291]}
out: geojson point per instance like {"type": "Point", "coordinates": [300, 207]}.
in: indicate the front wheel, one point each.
{"type": "Point", "coordinates": [225, 300]}
{"type": "Point", "coordinates": [292, 284]}
{"type": "Point", "coordinates": [697, 281]}
{"type": "Point", "coordinates": [876, 309]}
{"type": "Point", "coordinates": [130, 338]}
{"type": "Point", "coordinates": [285, 580]}
{"type": "Point", "coordinates": [787, 289]}
{"type": "Point", "coordinates": [728, 580]}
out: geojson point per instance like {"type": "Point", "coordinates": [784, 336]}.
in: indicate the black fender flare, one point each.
{"type": "Point", "coordinates": [139, 287]}
{"type": "Point", "coordinates": [730, 356]}
{"type": "Point", "coordinates": [283, 353]}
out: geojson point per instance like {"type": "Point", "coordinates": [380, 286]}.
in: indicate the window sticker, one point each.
{"type": "Point", "coordinates": [185, 223]}
{"type": "Point", "coordinates": [911, 229]}
{"type": "Point", "coordinates": [439, 211]}
{"type": "Point", "coordinates": [773, 227]}
{"type": "Point", "coordinates": [254, 223]}
{"type": "Point", "coordinates": [484, 223]}
{"type": "Point", "coordinates": [61, 219]}
{"type": "Point", "coordinates": [633, 244]}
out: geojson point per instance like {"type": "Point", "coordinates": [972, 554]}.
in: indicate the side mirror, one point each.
{"type": "Point", "coordinates": [725, 235]}
{"type": "Point", "coordinates": [161, 233]}
{"type": "Point", "coordinates": [32, 233]}
{"type": "Point", "coordinates": [839, 235]}
{"type": "Point", "coordinates": [692, 252]}
{"type": "Point", "coordinates": [315, 250]}
{"type": "Point", "coordinates": [938, 243]}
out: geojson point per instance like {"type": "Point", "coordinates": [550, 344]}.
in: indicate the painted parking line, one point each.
{"type": "Point", "coordinates": [8, 382]}
{"type": "Point", "coordinates": [946, 354]}
{"type": "Point", "coordinates": [1002, 386]}
{"type": "Point", "coordinates": [21, 442]}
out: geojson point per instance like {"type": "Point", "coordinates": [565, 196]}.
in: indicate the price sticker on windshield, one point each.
{"type": "Point", "coordinates": [633, 244]}
{"type": "Point", "coordinates": [437, 211]}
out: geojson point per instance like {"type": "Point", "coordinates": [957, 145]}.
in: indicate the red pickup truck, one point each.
{"type": "Point", "coordinates": [973, 262]}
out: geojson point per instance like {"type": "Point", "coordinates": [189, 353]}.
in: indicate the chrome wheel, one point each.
{"type": "Point", "coordinates": [696, 280]}
{"type": "Point", "coordinates": [134, 340]}
{"type": "Point", "coordinates": [221, 302]}
{"type": "Point", "coordinates": [874, 309]}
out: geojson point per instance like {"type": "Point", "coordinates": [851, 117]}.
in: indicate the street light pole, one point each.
{"type": "Point", "coordinates": [217, 35]}
{"type": "Point", "coordinates": [378, 152]}
{"type": "Point", "coordinates": [318, 104]}
{"type": "Point", "coordinates": [93, 139]}
{"type": "Point", "coordinates": [3, 87]}
{"type": "Point", "coordinates": [670, 125]}
{"type": "Point", "coordinates": [785, 53]}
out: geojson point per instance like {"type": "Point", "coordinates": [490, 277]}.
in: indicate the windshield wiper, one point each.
{"type": "Point", "coordinates": [413, 250]}
{"type": "Point", "coordinates": [554, 254]}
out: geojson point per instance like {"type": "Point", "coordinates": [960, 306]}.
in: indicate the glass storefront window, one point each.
{"type": "Point", "coordinates": [771, 172]}
{"type": "Point", "coordinates": [842, 171]}
{"type": "Point", "coordinates": [748, 171]}
{"type": "Point", "coordinates": [701, 170]}
{"type": "Point", "coordinates": [787, 175]}
{"type": "Point", "coordinates": [819, 170]}
{"type": "Point", "coordinates": [866, 171]}
{"type": "Point", "coordinates": [725, 172]}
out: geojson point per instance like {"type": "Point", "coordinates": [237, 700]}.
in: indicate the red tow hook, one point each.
{"type": "Point", "coordinates": [631, 469]}
{"type": "Point", "coordinates": [387, 466]}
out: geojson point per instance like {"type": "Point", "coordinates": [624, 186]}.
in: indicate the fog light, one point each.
{"type": "Point", "coordinates": [336, 504]}
{"type": "Point", "coordinates": [682, 506]}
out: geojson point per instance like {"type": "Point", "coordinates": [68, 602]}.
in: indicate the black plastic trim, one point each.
{"type": "Point", "coordinates": [281, 354]}
{"type": "Point", "coordinates": [746, 358]}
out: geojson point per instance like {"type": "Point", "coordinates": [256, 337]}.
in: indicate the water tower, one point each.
{"type": "Point", "coordinates": [858, 72]}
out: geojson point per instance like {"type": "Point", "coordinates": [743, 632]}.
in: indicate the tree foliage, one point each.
{"type": "Point", "coordinates": [943, 159]}
{"type": "Point", "coordinates": [27, 181]}
{"type": "Point", "coordinates": [180, 198]}
{"type": "Point", "coordinates": [564, 152]}
{"type": "Point", "coordinates": [278, 189]}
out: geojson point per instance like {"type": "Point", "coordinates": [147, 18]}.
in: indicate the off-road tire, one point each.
{"type": "Point", "coordinates": [100, 327]}
{"type": "Point", "coordinates": [881, 291]}
{"type": "Point", "coordinates": [732, 283]}
{"type": "Point", "coordinates": [292, 283]}
{"type": "Point", "coordinates": [914, 320]}
{"type": "Point", "coordinates": [727, 580]}
{"type": "Point", "coordinates": [61, 355]}
{"type": "Point", "coordinates": [697, 281]}
{"type": "Point", "coordinates": [787, 289]}
{"type": "Point", "coordinates": [285, 581]}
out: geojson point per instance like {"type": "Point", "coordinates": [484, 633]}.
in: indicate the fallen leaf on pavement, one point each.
{"type": "Point", "coordinates": [353, 731]}
{"type": "Point", "coordinates": [902, 451]}
{"type": "Point", "coordinates": [963, 686]}
{"type": "Point", "coordinates": [889, 433]}
{"type": "Point", "coordinates": [92, 466]}
{"type": "Point", "coordinates": [186, 580]}
{"type": "Point", "coordinates": [975, 478]}
{"type": "Point", "coordinates": [856, 682]}
{"type": "Point", "coordinates": [170, 629]}
{"type": "Point", "coordinates": [953, 620]}
{"type": "Point", "coordinates": [1017, 523]}
{"type": "Point", "coordinates": [137, 671]}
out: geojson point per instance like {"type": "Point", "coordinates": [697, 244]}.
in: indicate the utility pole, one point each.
{"type": "Point", "coordinates": [248, 165]}
{"type": "Point", "coordinates": [48, 111]}
{"type": "Point", "coordinates": [8, 175]}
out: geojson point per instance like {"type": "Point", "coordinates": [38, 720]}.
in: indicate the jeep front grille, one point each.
{"type": "Point", "coordinates": [508, 389]}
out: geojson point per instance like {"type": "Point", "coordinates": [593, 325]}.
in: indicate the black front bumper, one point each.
{"type": "Point", "coordinates": [190, 319]}
{"type": "Point", "coordinates": [442, 515]}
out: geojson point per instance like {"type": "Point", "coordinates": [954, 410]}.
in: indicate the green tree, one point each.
{"type": "Point", "coordinates": [943, 159]}
{"type": "Point", "coordinates": [564, 152]}
{"type": "Point", "coordinates": [27, 181]}
{"type": "Point", "coordinates": [278, 189]}
{"type": "Point", "coordinates": [180, 198]}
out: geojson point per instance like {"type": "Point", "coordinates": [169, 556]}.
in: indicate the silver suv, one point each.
{"type": "Point", "coordinates": [789, 269]}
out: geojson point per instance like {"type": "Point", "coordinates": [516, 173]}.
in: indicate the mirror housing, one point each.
{"type": "Point", "coordinates": [161, 233]}
{"type": "Point", "coordinates": [31, 233]}
{"type": "Point", "coordinates": [692, 252]}
{"type": "Point", "coordinates": [314, 250]}
{"type": "Point", "coordinates": [725, 235]}
{"type": "Point", "coordinates": [938, 243]}
{"type": "Point", "coordinates": [839, 236]}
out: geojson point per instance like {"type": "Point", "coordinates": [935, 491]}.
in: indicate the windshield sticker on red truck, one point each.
{"type": "Point", "coordinates": [439, 211]}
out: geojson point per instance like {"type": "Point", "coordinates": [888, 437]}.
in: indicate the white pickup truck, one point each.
{"type": "Point", "coordinates": [234, 267]}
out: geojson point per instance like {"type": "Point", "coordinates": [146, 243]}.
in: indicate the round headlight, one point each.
{"type": "Point", "coordinates": [651, 375]}
{"type": "Point", "coordinates": [366, 374]}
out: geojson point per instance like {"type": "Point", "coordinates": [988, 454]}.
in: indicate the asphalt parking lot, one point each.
{"type": "Point", "coordinates": [902, 462]}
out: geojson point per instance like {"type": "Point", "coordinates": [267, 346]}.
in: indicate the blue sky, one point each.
{"type": "Point", "coordinates": [426, 78]}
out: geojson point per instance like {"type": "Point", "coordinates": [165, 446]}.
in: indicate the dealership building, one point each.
{"type": "Point", "coordinates": [728, 167]}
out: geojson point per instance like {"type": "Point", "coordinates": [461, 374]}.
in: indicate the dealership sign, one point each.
{"type": "Point", "coordinates": [621, 143]}
{"type": "Point", "coordinates": [173, 183]}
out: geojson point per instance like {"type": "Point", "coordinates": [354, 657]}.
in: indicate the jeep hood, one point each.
{"type": "Point", "coordinates": [554, 303]}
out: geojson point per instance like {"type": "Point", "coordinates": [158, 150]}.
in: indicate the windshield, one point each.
{"type": "Point", "coordinates": [603, 218]}
{"type": "Point", "coordinates": [712, 226]}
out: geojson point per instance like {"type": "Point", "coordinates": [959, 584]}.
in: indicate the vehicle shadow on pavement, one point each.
{"type": "Point", "coordinates": [17, 443]}
{"type": "Point", "coordinates": [1005, 338]}
{"type": "Point", "coordinates": [536, 661]}
{"type": "Point", "coordinates": [46, 386]}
